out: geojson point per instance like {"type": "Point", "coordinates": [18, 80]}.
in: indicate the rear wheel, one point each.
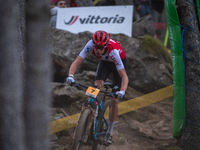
{"type": "Point", "coordinates": [81, 129]}
{"type": "Point", "coordinates": [102, 125]}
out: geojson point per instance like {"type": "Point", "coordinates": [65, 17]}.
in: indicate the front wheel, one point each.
{"type": "Point", "coordinates": [81, 129]}
{"type": "Point", "coordinates": [102, 125]}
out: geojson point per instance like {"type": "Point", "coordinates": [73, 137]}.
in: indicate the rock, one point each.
{"type": "Point", "coordinates": [64, 95]}
{"type": "Point", "coordinates": [143, 26]}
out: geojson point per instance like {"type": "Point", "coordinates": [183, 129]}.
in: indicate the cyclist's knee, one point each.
{"type": "Point", "coordinates": [99, 84]}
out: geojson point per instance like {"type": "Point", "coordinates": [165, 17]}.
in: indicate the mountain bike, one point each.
{"type": "Point", "coordinates": [92, 125]}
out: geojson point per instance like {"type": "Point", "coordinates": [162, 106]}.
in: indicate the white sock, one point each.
{"type": "Point", "coordinates": [110, 127]}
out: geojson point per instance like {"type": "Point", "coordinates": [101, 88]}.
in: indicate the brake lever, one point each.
{"type": "Point", "coordinates": [76, 85]}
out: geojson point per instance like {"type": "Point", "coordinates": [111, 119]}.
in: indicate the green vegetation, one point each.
{"type": "Point", "coordinates": [155, 47]}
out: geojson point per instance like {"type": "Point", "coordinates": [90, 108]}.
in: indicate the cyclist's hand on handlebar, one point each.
{"type": "Point", "coordinates": [70, 80]}
{"type": "Point", "coordinates": [120, 94]}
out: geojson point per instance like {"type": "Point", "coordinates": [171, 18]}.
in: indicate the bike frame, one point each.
{"type": "Point", "coordinates": [96, 121]}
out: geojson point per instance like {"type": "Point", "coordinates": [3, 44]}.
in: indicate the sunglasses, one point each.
{"type": "Point", "coordinates": [99, 47]}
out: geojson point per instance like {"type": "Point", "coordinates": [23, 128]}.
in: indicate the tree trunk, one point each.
{"type": "Point", "coordinates": [191, 136]}
{"type": "Point", "coordinates": [11, 89]}
{"type": "Point", "coordinates": [37, 75]}
{"type": "Point", "coordinates": [25, 91]}
{"type": "Point", "coordinates": [21, 31]}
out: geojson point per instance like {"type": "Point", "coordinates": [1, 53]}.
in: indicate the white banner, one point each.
{"type": "Point", "coordinates": [112, 19]}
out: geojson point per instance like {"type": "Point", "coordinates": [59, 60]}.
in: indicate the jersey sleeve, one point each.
{"type": "Point", "coordinates": [114, 54]}
{"type": "Point", "coordinates": [87, 49]}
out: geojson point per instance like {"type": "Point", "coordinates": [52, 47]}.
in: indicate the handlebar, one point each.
{"type": "Point", "coordinates": [79, 87]}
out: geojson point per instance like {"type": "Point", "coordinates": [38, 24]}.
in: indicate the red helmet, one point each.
{"type": "Point", "coordinates": [100, 38]}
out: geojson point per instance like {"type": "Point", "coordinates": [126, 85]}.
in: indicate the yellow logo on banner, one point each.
{"type": "Point", "coordinates": [93, 92]}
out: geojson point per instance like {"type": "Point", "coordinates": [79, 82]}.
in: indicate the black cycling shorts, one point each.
{"type": "Point", "coordinates": [105, 68]}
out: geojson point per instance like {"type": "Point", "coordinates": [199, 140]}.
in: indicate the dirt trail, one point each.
{"type": "Point", "coordinates": [148, 128]}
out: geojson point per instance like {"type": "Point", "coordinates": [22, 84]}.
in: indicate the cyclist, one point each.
{"type": "Point", "coordinates": [112, 60]}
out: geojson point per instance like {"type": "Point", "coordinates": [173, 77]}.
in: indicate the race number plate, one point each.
{"type": "Point", "coordinates": [93, 92]}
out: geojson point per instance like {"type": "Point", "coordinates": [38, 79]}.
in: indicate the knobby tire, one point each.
{"type": "Point", "coordinates": [81, 129]}
{"type": "Point", "coordinates": [101, 121]}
